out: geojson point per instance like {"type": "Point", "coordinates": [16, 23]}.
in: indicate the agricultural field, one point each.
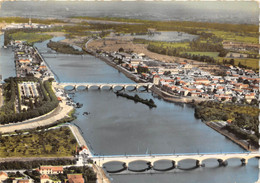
{"type": "Point", "coordinates": [236, 36]}
{"type": "Point", "coordinates": [30, 37]}
{"type": "Point", "coordinates": [52, 143]}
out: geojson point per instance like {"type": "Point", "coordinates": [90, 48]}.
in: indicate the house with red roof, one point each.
{"type": "Point", "coordinates": [3, 176]}
{"type": "Point", "coordinates": [46, 179]}
{"type": "Point", "coordinates": [50, 169]}
{"type": "Point", "coordinates": [17, 180]}
{"type": "Point", "coordinates": [75, 178]}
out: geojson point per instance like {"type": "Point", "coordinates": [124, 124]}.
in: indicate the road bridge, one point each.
{"type": "Point", "coordinates": [151, 159]}
{"type": "Point", "coordinates": [124, 86]}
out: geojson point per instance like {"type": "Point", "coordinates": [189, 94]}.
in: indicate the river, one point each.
{"type": "Point", "coordinates": [116, 125]}
{"type": "Point", "coordinates": [7, 67]}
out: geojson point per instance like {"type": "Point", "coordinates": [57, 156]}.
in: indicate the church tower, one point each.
{"type": "Point", "coordinates": [30, 21]}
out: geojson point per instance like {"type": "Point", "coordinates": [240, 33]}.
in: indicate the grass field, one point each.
{"type": "Point", "coordinates": [52, 143]}
{"type": "Point", "coordinates": [237, 37]}
{"type": "Point", "coordinates": [30, 37]}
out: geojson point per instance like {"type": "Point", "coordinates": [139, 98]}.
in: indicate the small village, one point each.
{"type": "Point", "coordinates": [28, 25]}
{"type": "Point", "coordinates": [186, 80]}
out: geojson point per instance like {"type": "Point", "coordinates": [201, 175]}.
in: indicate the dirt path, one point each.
{"type": "Point", "coordinates": [1, 97]}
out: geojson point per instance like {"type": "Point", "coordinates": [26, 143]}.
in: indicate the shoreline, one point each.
{"type": "Point", "coordinates": [231, 137]}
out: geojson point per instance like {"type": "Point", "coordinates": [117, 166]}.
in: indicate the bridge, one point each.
{"type": "Point", "coordinates": [151, 159]}
{"type": "Point", "coordinates": [124, 86]}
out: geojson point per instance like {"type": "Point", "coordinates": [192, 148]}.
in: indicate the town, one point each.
{"type": "Point", "coordinates": [95, 98]}
{"type": "Point", "coordinates": [188, 81]}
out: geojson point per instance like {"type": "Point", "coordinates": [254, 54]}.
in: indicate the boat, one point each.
{"type": "Point", "coordinates": [78, 105]}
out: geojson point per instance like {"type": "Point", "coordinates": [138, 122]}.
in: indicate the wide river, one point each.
{"type": "Point", "coordinates": [116, 125]}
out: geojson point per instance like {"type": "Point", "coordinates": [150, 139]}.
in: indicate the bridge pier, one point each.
{"type": "Point", "coordinates": [244, 161]}
{"type": "Point", "coordinates": [176, 164]}
{"type": "Point", "coordinates": [222, 162]}
{"type": "Point", "coordinates": [198, 163]}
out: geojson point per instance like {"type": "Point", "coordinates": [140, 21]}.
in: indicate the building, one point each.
{"type": "Point", "coordinates": [17, 180]}
{"type": "Point", "coordinates": [3, 176]}
{"type": "Point", "coordinates": [84, 150]}
{"type": "Point", "coordinates": [75, 178]}
{"type": "Point", "coordinates": [50, 170]}
{"type": "Point", "coordinates": [46, 179]}
{"type": "Point", "coordinates": [156, 80]}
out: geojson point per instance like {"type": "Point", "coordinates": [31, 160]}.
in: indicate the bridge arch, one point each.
{"type": "Point", "coordinates": [122, 87]}
{"type": "Point", "coordinates": [70, 87]}
{"type": "Point", "coordinates": [78, 87]}
{"type": "Point", "coordinates": [147, 165]}
{"type": "Point", "coordinates": [196, 160]}
{"type": "Point", "coordinates": [173, 165]}
{"type": "Point", "coordinates": [128, 86]}
{"type": "Point", "coordinates": [94, 86]}
{"type": "Point", "coordinates": [102, 87]}
{"type": "Point", "coordinates": [142, 86]}
{"type": "Point", "coordinates": [122, 168]}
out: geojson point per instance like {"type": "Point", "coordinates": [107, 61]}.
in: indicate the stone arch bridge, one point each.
{"type": "Point", "coordinates": [124, 86]}
{"type": "Point", "coordinates": [175, 159]}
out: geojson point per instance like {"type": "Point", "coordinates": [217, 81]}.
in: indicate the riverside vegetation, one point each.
{"type": "Point", "coordinates": [241, 116]}
{"type": "Point", "coordinates": [18, 165]}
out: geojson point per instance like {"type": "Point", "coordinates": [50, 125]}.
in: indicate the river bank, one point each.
{"type": "Point", "coordinates": [242, 143]}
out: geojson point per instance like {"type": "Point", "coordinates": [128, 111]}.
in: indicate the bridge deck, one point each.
{"type": "Point", "coordinates": [174, 157]}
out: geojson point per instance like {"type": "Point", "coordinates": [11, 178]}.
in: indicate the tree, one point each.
{"type": "Point", "coordinates": [234, 99]}
{"type": "Point", "coordinates": [254, 102]}
{"type": "Point", "coordinates": [121, 49]}
{"type": "Point", "coordinates": [30, 103]}
{"type": "Point", "coordinates": [232, 61]}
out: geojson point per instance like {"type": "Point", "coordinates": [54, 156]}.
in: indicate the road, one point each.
{"type": "Point", "coordinates": [1, 96]}
{"type": "Point", "coordinates": [60, 112]}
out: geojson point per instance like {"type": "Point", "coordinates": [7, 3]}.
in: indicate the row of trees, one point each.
{"type": "Point", "coordinates": [8, 113]}
{"type": "Point", "coordinates": [16, 165]}
{"type": "Point", "coordinates": [9, 93]}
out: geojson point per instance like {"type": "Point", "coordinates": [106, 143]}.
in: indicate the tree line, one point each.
{"type": "Point", "coordinates": [34, 164]}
